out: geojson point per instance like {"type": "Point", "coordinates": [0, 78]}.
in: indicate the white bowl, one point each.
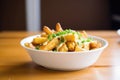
{"type": "Point", "coordinates": [65, 60]}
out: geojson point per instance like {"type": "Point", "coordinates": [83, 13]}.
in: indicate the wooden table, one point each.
{"type": "Point", "coordinates": [16, 64]}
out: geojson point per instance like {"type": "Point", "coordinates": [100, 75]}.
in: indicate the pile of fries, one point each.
{"type": "Point", "coordinates": [63, 40]}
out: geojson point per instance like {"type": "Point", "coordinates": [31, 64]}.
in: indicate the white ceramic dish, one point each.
{"type": "Point", "coordinates": [65, 60]}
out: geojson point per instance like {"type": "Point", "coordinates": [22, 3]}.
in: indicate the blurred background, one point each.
{"type": "Point", "coordinates": [32, 15]}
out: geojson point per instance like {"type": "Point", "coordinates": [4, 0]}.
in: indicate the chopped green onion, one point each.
{"type": "Point", "coordinates": [67, 31]}
{"type": "Point", "coordinates": [89, 39]}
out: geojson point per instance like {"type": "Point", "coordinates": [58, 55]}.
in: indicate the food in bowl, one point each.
{"type": "Point", "coordinates": [60, 40]}
{"type": "Point", "coordinates": [65, 59]}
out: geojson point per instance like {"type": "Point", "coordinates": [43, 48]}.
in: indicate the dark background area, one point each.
{"type": "Point", "coordinates": [77, 14]}
{"type": "Point", "coordinates": [74, 14]}
{"type": "Point", "coordinates": [115, 10]}
{"type": "Point", "coordinates": [12, 15]}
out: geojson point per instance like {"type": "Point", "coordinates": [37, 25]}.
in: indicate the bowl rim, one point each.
{"type": "Point", "coordinates": [80, 52]}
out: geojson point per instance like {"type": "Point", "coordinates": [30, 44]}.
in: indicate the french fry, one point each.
{"type": "Point", "coordinates": [47, 30]}
{"type": "Point", "coordinates": [42, 47]}
{"type": "Point", "coordinates": [58, 27]}
{"type": "Point", "coordinates": [84, 34]}
{"type": "Point", "coordinates": [86, 46]}
{"type": "Point", "coordinates": [70, 37]}
{"type": "Point", "coordinates": [78, 48]}
{"type": "Point", "coordinates": [95, 44]}
{"type": "Point", "coordinates": [43, 34]}
{"type": "Point", "coordinates": [29, 45]}
{"type": "Point", "coordinates": [70, 45]}
{"type": "Point", "coordinates": [51, 45]}
{"type": "Point", "coordinates": [39, 40]}
{"type": "Point", "coordinates": [63, 48]}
